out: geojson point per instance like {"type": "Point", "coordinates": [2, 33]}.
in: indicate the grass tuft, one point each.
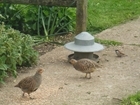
{"type": "Point", "coordinates": [108, 42]}
{"type": "Point", "coordinates": [132, 99]}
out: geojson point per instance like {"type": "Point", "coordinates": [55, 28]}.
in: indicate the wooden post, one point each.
{"type": "Point", "coordinates": [81, 15]}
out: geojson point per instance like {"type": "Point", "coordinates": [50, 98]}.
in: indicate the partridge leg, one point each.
{"type": "Point", "coordinates": [23, 94]}
{"type": "Point", "coordinates": [89, 75]}
{"type": "Point", "coordinates": [86, 75]}
{"type": "Point", "coordinates": [30, 96]}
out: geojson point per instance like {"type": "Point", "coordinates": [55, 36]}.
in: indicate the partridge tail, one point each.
{"type": "Point", "coordinates": [16, 85]}
{"type": "Point", "coordinates": [97, 65]}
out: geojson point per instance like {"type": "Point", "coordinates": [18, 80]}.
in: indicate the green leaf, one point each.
{"type": "Point", "coordinates": [3, 67]}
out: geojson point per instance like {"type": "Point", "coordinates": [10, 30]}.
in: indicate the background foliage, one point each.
{"type": "Point", "coordinates": [38, 20]}
{"type": "Point", "coordinates": [43, 20]}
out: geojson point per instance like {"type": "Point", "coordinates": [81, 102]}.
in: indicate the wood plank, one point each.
{"type": "Point", "coordinates": [60, 3]}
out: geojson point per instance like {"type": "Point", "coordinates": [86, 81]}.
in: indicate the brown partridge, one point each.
{"type": "Point", "coordinates": [31, 83]}
{"type": "Point", "coordinates": [85, 65]}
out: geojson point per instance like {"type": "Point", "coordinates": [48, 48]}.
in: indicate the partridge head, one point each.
{"type": "Point", "coordinates": [31, 83]}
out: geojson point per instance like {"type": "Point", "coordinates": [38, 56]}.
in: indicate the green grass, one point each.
{"type": "Point", "coordinates": [108, 42]}
{"type": "Point", "coordinates": [132, 99]}
{"type": "Point", "coordinates": [103, 14]}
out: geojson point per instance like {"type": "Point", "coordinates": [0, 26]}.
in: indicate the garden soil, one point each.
{"type": "Point", "coordinates": [63, 85]}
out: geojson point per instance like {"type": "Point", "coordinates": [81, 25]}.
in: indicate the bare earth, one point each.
{"type": "Point", "coordinates": [63, 85]}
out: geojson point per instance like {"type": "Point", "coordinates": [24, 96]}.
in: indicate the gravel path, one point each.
{"type": "Point", "coordinates": [63, 85]}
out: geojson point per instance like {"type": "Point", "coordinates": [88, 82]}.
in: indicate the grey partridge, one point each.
{"type": "Point", "coordinates": [31, 83]}
{"type": "Point", "coordinates": [119, 53]}
{"type": "Point", "coordinates": [85, 65]}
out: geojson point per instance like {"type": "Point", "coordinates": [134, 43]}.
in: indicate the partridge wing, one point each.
{"type": "Point", "coordinates": [27, 84]}
{"type": "Point", "coordinates": [83, 65]}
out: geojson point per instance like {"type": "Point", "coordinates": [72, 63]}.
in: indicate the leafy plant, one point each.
{"type": "Point", "coordinates": [16, 50]}
{"type": "Point", "coordinates": [11, 17]}
{"type": "Point", "coordinates": [38, 20]}
{"type": "Point", "coordinates": [132, 99]}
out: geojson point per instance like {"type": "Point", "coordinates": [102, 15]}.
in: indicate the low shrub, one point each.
{"type": "Point", "coordinates": [16, 49]}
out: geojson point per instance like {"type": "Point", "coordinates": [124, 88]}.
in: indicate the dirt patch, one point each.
{"type": "Point", "coordinates": [56, 42]}
{"type": "Point", "coordinates": [63, 85]}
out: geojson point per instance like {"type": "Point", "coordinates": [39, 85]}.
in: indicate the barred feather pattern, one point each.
{"type": "Point", "coordinates": [119, 53]}
{"type": "Point", "coordinates": [84, 65]}
{"type": "Point", "coordinates": [31, 83]}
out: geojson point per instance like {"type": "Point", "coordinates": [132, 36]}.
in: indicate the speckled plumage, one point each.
{"type": "Point", "coordinates": [119, 53]}
{"type": "Point", "coordinates": [31, 83]}
{"type": "Point", "coordinates": [84, 65]}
